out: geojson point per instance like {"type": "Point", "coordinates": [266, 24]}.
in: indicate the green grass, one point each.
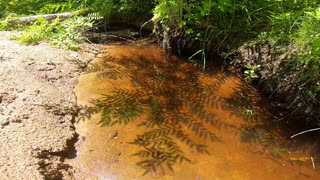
{"type": "Point", "coordinates": [64, 34]}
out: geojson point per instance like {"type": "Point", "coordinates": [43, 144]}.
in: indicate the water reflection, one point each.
{"type": "Point", "coordinates": [172, 100]}
{"type": "Point", "coordinates": [176, 114]}
{"type": "Point", "coordinates": [253, 130]}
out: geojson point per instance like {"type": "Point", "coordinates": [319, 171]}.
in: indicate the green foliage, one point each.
{"type": "Point", "coordinates": [72, 30]}
{"type": "Point", "coordinates": [9, 23]}
{"type": "Point", "coordinates": [63, 34]}
{"type": "Point", "coordinates": [208, 25]}
{"type": "Point", "coordinates": [56, 7]}
{"type": "Point", "coordinates": [38, 31]}
{"type": "Point", "coordinates": [297, 27]}
{"type": "Point", "coordinates": [196, 18]}
{"type": "Point", "coordinates": [25, 7]}
{"type": "Point", "coordinates": [131, 9]}
{"type": "Point", "coordinates": [252, 71]}
{"type": "Point", "coordinates": [28, 7]}
{"type": "Point", "coordinates": [167, 12]}
{"type": "Point", "coordinates": [104, 7]}
{"type": "Point", "coordinates": [126, 10]}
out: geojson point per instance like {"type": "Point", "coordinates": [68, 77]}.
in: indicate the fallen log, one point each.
{"type": "Point", "coordinates": [48, 17]}
{"type": "Point", "coordinates": [13, 21]}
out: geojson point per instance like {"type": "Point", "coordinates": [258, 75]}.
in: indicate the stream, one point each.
{"type": "Point", "coordinates": [148, 114]}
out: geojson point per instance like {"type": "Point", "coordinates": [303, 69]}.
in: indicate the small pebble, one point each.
{"type": "Point", "coordinates": [5, 123]}
{"type": "Point", "coordinates": [16, 120]}
{"type": "Point", "coordinates": [25, 116]}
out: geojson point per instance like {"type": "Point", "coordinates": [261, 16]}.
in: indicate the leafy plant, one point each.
{"type": "Point", "coordinates": [294, 34]}
{"type": "Point", "coordinates": [56, 7]}
{"type": "Point", "coordinates": [40, 30]}
{"type": "Point", "coordinates": [63, 34]}
{"type": "Point", "coordinates": [9, 23]}
{"type": "Point", "coordinates": [251, 71]}
{"type": "Point", "coordinates": [72, 30]}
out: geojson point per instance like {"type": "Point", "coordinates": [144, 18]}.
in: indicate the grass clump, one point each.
{"type": "Point", "coordinates": [302, 64]}
{"type": "Point", "coordinates": [64, 34]}
{"type": "Point", "coordinates": [36, 32]}
{"type": "Point", "coordinates": [9, 23]}
{"type": "Point", "coordinates": [290, 70]}
{"type": "Point", "coordinates": [71, 31]}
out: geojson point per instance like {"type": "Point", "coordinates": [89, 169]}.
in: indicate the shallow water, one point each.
{"type": "Point", "coordinates": [151, 115]}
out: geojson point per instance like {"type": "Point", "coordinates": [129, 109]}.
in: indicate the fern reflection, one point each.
{"type": "Point", "coordinates": [255, 130]}
{"type": "Point", "coordinates": [169, 99]}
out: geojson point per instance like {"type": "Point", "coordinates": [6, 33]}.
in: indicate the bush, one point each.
{"type": "Point", "coordinates": [40, 30]}
{"type": "Point", "coordinates": [63, 34]}
{"type": "Point", "coordinates": [71, 30]}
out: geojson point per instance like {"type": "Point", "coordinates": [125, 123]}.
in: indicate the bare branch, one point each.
{"type": "Point", "coordinates": [310, 130]}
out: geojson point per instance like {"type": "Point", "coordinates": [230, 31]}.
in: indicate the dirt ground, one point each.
{"type": "Point", "coordinates": [38, 108]}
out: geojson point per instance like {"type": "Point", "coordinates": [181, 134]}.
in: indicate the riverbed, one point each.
{"type": "Point", "coordinates": [147, 114]}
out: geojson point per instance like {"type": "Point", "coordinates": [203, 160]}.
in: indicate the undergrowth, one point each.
{"type": "Point", "coordinates": [64, 34]}
{"type": "Point", "coordinates": [292, 68]}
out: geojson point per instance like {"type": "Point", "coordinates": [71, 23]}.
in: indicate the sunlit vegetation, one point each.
{"type": "Point", "coordinates": [64, 34]}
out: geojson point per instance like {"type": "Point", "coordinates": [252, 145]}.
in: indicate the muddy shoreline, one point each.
{"type": "Point", "coordinates": [38, 108]}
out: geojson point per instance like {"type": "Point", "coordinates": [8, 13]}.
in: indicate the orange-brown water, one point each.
{"type": "Point", "coordinates": [165, 119]}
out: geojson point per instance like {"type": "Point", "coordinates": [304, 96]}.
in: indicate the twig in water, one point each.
{"type": "Point", "coordinates": [123, 38]}
{"type": "Point", "coordinates": [310, 130]}
{"type": "Point", "coordinates": [312, 162]}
